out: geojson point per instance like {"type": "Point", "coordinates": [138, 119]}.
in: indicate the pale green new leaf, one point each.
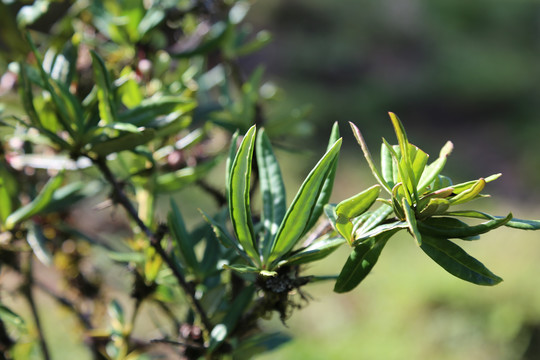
{"type": "Point", "coordinates": [296, 219]}
{"type": "Point", "coordinates": [373, 220]}
{"type": "Point", "coordinates": [238, 189]}
{"type": "Point", "coordinates": [434, 169]}
{"type": "Point", "coordinates": [457, 262]}
{"type": "Point", "coordinates": [353, 207]}
{"type": "Point", "coordinates": [471, 193]}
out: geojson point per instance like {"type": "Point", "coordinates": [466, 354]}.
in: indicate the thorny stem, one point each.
{"type": "Point", "coordinates": [155, 240]}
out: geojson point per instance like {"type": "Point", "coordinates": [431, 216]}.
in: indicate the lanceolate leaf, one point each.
{"type": "Point", "coordinates": [434, 169]}
{"type": "Point", "coordinates": [381, 229]}
{"type": "Point", "coordinates": [272, 190]}
{"type": "Point", "coordinates": [107, 105]}
{"type": "Point", "coordinates": [514, 223]}
{"type": "Point", "coordinates": [316, 251]}
{"type": "Point", "coordinates": [470, 193]}
{"type": "Point", "coordinates": [296, 219]}
{"type": "Point", "coordinates": [374, 219]}
{"type": "Point", "coordinates": [238, 189]}
{"type": "Point", "coordinates": [369, 159]}
{"type": "Point", "coordinates": [328, 185]}
{"type": "Point", "coordinates": [38, 204]}
{"type": "Point", "coordinates": [362, 259]}
{"type": "Point", "coordinates": [457, 262]}
{"type": "Point", "coordinates": [447, 227]}
{"type": "Point", "coordinates": [411, 220]}
{"type": "Point", "coordinates": [183, 242]}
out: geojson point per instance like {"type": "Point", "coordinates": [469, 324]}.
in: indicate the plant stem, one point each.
{"type": "Point", "coordinates": [27, 292]}
{"type": "Point", "coordinates": [155, 240]}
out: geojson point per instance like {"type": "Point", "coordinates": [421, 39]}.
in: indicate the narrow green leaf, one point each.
{"type": "Point", "coordinates": [238, 189]}
{"type": "Point", "coordinates": [296, 219]}
{"type": "Point", "coordinates": [469, 194]}
{"type": "Point", "coordinates": [242, 269]}
{"type": "Point", "coordinates": [434, 169]}
{"type": "Point", "coordinates": [150, 109]}
{"type": "Point", "coordinates": [179, 179]}
{"type": "Point", "coordinates": [106, 101]}
{"type": "Point", "coordinates": [434, 206]}
{"type": "Point", "coordinates": [25, 91]}
{"type": "Point", "coordinates": [453, 228]}
{"type": "Point", "coordinates": [38, 204]}
{"type": "Point", "coordinates": [183, 243]}
{"type": "Point", "coordinates": [411, 221]}
{"type": "Point", "coordinates": [316, 251]}
{"type": "Point", "coordinates": [360, 262]}
{"type": "Point", "coordinates": [459, 188]}
{"type": "Point", "coordinates": [389, 172]}
{"type": "Point", "coordinates": [9, 317]}
{"type": "Point", "coordinates": [381, 229]}
{"type": "Point", "coordinates": [514, 223]}
{"type": "Point", "coordinates": [37, 242]}
{"type": "Point", "coordinates": [373, 220]}
{"type": "Point", "coordinates": [123, 142]}
{"type": "Point", "coordinates": [238, 307]}
{"type": "Point", "coordinates": [328, 185]}
{"type": "Point", "coordinates": [272, 190]}
{"type": "Point", "coordinates": [369, 159]}
{"type": "Point", "coordinates": [457, 262]}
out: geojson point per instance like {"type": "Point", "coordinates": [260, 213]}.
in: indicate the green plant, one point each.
{"type": "Point", "coordinates": [420, 201]}
{"type": "Point", "coordinates": [110, 107]}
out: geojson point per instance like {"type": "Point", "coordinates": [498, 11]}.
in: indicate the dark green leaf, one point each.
{"type": "Point", "coordinates": [457, 262]}
{"type": "Point", "coordinates": [514, 223]}
{"type": "Point", "coordinates": [183, 243]}
{"type": "Point", "coordinates": [447, 227]}
{"type": "Point", "coordinates": [123, 142]}
{"type": "Point", "coordinates": [360, 262]}
{"type": "Point", "coordinates": [236, 309]}
{"type": "Point", "coordinates": [105, 91]}
{"type": "Point", "coordinates": [9, 317]}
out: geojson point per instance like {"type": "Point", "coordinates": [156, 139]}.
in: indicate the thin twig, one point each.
{"type": "Point", "coordinates": [155, 240]}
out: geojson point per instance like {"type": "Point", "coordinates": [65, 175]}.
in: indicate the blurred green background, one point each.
{"type": "Point", "coordinates": [452, 70]}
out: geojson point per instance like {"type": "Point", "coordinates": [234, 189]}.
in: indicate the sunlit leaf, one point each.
{"type": "Point", "coordinates": [296, 219]}
{"type": "Point", "coordinates": [272, 190]}
{"type": "Point", "coordinates": [457, 262]}
{"type": "Point", "coordinates": [353, 207]}
{"type": "Point", "coordinates": [328, 185]}
{"type": "Point", "coordinates": [434, 169]}
{"type": "Point", "coordinates": [238, 189]}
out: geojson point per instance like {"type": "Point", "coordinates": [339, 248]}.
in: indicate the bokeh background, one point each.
{"type": "Point", "coordinates": [465, 71]}
{"type": "Point", "coordinates": [451, 70]}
